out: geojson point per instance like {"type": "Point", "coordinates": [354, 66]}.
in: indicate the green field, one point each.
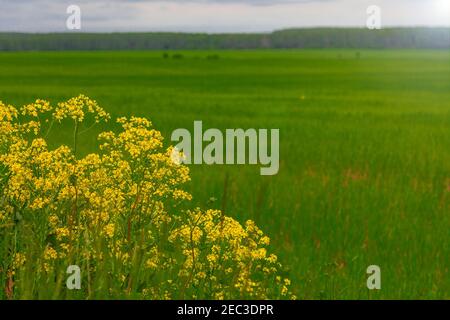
{"type": "Point", "coordinates": [364, 149]}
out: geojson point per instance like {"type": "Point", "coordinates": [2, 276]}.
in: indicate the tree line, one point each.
{"type": "Point", "coordinates": [409, 38]}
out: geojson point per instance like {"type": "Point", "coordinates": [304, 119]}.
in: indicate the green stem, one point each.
{"type": "Point", "coordinates": [75, 137]}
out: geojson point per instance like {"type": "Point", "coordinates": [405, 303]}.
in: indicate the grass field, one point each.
{"type": "Point", "coordinates": [364, 149]}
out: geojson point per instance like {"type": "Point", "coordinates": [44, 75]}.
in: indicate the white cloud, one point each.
{"type": "Point", "coordinates": [212, 15]}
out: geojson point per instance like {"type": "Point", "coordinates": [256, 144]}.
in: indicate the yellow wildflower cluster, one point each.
{"type": "Point", "coordinates": [233, 261]}
{"type": "Point", "coordinates": [77, 108]}
{"type": "Point", "coordinates": [118, 215]}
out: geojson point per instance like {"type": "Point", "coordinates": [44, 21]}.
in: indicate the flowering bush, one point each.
{"type": "Point", "coordinates": [116, 214]}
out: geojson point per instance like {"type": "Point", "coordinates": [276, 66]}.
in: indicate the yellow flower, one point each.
{"type": "Point", "coordinates": [259, 254]}
{"type": "Point", "coordinates": [109, 230]}
{"type": "Point", "coordinates": [19, 260]}
{"type": "Point", "coordinates": [272, 258]}
{"type": "Point", "coordinates": [62, 233]}
{"type": "Point", "coordinates": [76, 109]}
{"type": "Point", "coordinates": [53, 221]}
{"type": "Point", "coordinates": [212, 258]}
{"type": "Point", "coordinates": [265, 241]}
{"type": "Point", "coordinates": [50, 253]}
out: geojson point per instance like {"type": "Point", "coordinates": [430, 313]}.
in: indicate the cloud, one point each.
{"type": "Point", "coordinates": [210, 15]}
{"type": "Point", "coordinates": [248, 2]}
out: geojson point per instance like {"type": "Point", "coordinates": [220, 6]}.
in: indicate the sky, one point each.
{"type": "Point", "coordinates": [215, 16]}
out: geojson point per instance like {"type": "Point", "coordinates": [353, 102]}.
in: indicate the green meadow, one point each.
{"type": "Point", "coordinates": [364, 149]}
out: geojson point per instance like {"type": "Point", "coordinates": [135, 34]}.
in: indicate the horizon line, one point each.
{"type": "Point", "coordinates": [67, 32]}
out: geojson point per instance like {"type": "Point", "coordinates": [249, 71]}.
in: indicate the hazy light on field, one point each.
{"type": "Point", "coordinates": [443, 7]}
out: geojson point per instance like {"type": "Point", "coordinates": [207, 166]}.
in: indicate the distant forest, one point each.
{"type": "Point", "coordinates": [408, 38]}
